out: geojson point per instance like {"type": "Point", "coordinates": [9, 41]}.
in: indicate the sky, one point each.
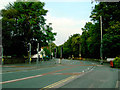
{"type": "Point", "coordinates": [67, 16]}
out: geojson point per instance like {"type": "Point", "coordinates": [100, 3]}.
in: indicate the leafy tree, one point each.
{"type": "Point", "coordinates": [47, 52]}
{"type": "Point", "coordinates": [108, 10]}
{"type": "Point", "coordinates": [23, 23]}
{"type": "Point", "coordinates": [53, 46]}
{"type": "Point", "coordinates": [91, 40]}
{"type": "Point", "coordinates": [110, 21]}
{"type": "Point", "coordinates": [111, 40]}
{"type": "Point", "coordinates": [70, 47]}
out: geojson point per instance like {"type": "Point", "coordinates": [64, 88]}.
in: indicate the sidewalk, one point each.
{"type": "Point", "coordinates": [27, 66]}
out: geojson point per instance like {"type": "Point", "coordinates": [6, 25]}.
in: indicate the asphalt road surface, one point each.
{"type": "Point", "coordinates": [52, 74]}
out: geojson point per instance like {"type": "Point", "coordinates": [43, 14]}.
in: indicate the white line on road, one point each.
{"type": "Point", "coordinates": [20, 79]}
{"type": "Point", "coordinates": [117, 86]}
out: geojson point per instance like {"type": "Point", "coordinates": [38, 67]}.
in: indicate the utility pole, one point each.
{"type": "Point", "coordinates": [101, 47]}
{"type": "Point", "coordinates": [56, 52]}
{"type": "Point", "coordinates": [101, 55]}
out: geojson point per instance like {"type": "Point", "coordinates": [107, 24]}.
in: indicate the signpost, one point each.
{"type": "Point", "coordinates": [2, 56]}
{"type": "Point", "coordinates": [55, 52]}
{"type": "Point", "coordinates": [37, 53]}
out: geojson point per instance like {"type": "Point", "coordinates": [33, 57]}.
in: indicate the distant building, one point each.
{"type": "Point", "coordinates": [41, 56]}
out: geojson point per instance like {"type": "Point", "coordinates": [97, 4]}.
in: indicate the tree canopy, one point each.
{"type": "Point", "coordinates": [23, 23]}
{"type": "Point", "coordinates": [91, 36]}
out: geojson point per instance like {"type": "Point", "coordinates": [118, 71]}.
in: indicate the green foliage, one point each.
{"type": "Point", "coordinates": [47, 52]}
{"type": "Point", "coordinates": [70, 47]}
{"type": "Point", "coordinates": [108, 10]}
{"type": "Point", "coordinates": [23, 23]}
{"type": "Point", "coordinates": [53, 46]}
{"type": "Point", "coordinates": [111, 27]}
{"type": "Point", "coordinates": [90, 40]}
{"type": "Point", "coordinates": [116, 62]}
{"type": "Point", "coordinates": [111, 40]}
{"type": "Point", "coordinates": [91, 36]}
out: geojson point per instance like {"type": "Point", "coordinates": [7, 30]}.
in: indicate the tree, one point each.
{"type": "Point", "coordinates": [70, 47]}
{"type": "Point", "coordinates": [111, 40]}
{"type": "Point", "coordinates": [23, 23]}
{"type": "Point", "coordinates": [108, 10]}
{"type": "Point", "coordinates": [53, 46]}
{"type": "Point", "coordinates": [110, 17]}
{"type": "Point", "coordinates": [47, 52]}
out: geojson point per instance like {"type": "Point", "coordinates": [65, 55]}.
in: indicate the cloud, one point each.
{"type": "Point", "coordinates": [4, 3]}
{"type": "Point", "coordinates": [65, 27]}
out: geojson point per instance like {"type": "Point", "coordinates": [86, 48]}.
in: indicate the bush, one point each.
{"type": "Point", "coordinates": [46, 58]}
{"type": "Point", "coordinates": [116, 62]}
{"type": "Point", "coordinates": [14, 60]}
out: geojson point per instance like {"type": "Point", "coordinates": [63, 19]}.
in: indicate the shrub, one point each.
{"type": "Point", "coordinates": [116, 62]}
{"type": "Point", "coordinates": [46, 58]}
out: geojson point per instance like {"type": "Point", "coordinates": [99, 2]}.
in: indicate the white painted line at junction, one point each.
{"type": "Point", "coordinates": [117, 86]}
{"type": "Point", "coordinates": [20, 79]}
{"type": "Point", "coordinates": [83, 71]}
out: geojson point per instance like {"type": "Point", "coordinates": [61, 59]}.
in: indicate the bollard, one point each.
{"type": "Point", "coordinates": [60, 61]}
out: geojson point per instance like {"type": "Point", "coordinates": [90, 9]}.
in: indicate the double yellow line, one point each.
{"type": "Point", "coordinates": [58, 83]}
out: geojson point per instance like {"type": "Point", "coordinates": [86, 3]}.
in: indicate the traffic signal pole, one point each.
{"type": "Point", "coordinates": [29, 53]}
{"type": "Point", "coordinates": [2, 56]}
{"type": "Point", "coordinates": [37, 53]}
{"type": "Point", "coordinates": [101, 47]}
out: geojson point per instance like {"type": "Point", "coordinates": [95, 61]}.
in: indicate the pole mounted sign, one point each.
{"type": "Point", "coordinates": [61, 52]}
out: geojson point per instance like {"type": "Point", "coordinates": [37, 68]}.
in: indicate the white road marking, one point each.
{"type": "Point", "coordinates": [20, 79]}
{"type": "Point", "coordinates": [117, 86]}
{"type": "Point", "coordinates": [83, 71]}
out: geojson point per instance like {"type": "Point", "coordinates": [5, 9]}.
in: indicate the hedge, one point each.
{"type": "Point", "coordinates": [116, 62]}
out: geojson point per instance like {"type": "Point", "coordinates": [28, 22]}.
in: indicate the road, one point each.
{"type": "Point", "coordinates": [51, 74]}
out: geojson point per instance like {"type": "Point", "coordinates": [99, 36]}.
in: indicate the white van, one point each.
{"type": "Point", "coordinates": [110, 59]}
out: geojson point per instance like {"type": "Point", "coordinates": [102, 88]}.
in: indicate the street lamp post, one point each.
{"type": "Point", "coordinates": [101, 54]}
